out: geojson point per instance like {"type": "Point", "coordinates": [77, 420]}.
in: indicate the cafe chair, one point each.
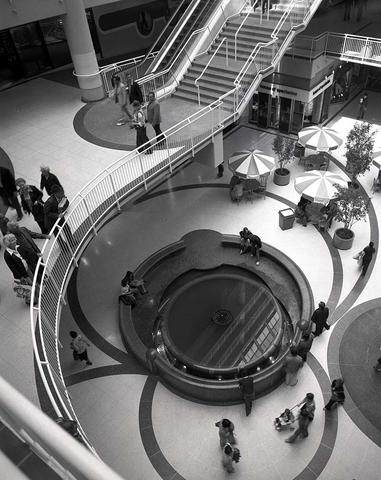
{"type": "Point", "coordinates": [376, 187]}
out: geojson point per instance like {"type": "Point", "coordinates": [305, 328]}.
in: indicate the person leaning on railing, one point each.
{"type": "Point", "coordinates": [54, 208]}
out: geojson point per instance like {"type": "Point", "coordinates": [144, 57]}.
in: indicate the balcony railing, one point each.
{"type": "Point", "coordinates": [349, 48]}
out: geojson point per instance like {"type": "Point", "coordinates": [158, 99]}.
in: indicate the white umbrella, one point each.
{"type": "Point", "coordinates": [322, 139]}
{"type": "Point", "coordinates": [377, 158]}
{"type": "Point", "coordinates": [251, 164]}
{"type": "Point", "coordinates": [318, 186]}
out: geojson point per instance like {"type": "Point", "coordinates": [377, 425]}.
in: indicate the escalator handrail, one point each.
{"type": "Point", "coordinates": [151, 76]}
{"type": "Point", "coordinates": [174, 34]}
{"type": "Point", "coordinates": [208, 5]}
{"type": "Point", "coordinates": [164, 30]}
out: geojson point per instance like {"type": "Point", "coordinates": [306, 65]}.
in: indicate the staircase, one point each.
{"type": "Point", "coordinates": [218, 78]}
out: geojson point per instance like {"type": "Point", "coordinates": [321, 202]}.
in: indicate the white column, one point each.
{"type": "Point", "coordinates": [82, 51]}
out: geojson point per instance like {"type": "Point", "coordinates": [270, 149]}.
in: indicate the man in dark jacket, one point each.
{"type": "Point", "coordinates": [319, 318]}
{"type": "Point", "coordinates": [246, 386]}
{"type": "Point", "coordinates": [22, 261]}
{"type": "Point", "coordinates": [255, 245]}
{"type": "Point", "coordinates": [48, 180]}
{"type": "Point", "coordinates": [305, 345]}
{"type": "Point", "coordinates": [25, 237]}
{"type": "Point", "coordinates": [8, 191]}
{"type": "Point", "coordinates": [367, 258]}
{"type": "Point", "coordinates": [54, 209]}
{"type": "Point", "coordinates": [31, 201]}
{"type": "Point", "coordinates": [154, 117]}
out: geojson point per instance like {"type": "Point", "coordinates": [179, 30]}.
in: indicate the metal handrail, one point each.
{"type": "Point", "coordinates": [251, 10]}
{"type": "Point", "coordinates": [183, 52]}
{"type": "Point", "coordinates": [95, 200]}
{"type": "Point", "coordinates": [164, 30]}
{"type": "Point", "coordinates": [184, 19]}
{"type": "Point", "coordinates": [196, 82]}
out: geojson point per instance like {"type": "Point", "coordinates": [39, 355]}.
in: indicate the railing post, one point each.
{"type": "Point", "coordinates": [268, 10]}
{"type": "Point", "coordinates": [168, 153]}
{"type": "Point", "coordinates": [227, 53]}
{"type": "Point", "coordinates": [67, 244]}
{"type": "Point", "coordinates": [261, 11]}
{"type": "Point", "coordinates": [191, 132]}
{"type": "Point", "coordinates": [365, 49]}
{"type": "Point", "coordinates": [89, 214]}
{"type": "Point", "coordinates": [143, 174]}
{"type": "Point", "coordinates": [113, 190]}
{"type": "Point", "coordinates": [198, 95]}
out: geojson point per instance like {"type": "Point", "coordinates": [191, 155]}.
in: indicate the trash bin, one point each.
{"type": "Point", "coordinates": [286, 218]}
{"type": "Point", "coordinates": [299, 150]}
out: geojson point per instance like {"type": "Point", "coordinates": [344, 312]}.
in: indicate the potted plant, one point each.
{"type": "Point", "coordinates": [284, 148]}
{"type": "Point", "coordinates": [352, 206]}
{"type": "Point", "coordinates": [359, 150]}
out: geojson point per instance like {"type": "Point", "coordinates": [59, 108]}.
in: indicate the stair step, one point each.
{"type": "Point", "coordinates": [208, 84]}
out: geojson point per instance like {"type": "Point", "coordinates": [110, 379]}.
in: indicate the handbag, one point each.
{"type": "Point", "coordinates": [359, 257]}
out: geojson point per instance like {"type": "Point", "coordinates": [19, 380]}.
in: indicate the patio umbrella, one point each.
{"type": "Point", "coordinates": [377, 158]}
{"type": "Point", "coordinates": [251, 164]}
{"type": "Point", "coordinates": [318, 186]}
{"type": "Point", "coordinates": [322, 139]}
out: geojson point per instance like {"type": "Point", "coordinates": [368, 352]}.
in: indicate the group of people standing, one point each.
{"type": "Point", "coordinates": [21, 252]}
{"type": "Point", "coordinates": [132, 94]}
{"type": "Point", "coordinates": [250, 243]}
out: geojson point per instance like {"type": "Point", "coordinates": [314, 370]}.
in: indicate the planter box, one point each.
{"type": "Point", "coordinates": [281, 178]}
{"type": "Point", "coordinates": [343, 239]}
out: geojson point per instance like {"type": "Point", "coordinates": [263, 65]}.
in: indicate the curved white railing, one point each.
{"type": "Point", "coordinates": [105, 193]}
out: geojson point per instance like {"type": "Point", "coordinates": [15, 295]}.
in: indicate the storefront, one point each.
{"type": "Point", "coordinates": [36, 47]}
{"type": "Point", "coordinates": [289, 109]}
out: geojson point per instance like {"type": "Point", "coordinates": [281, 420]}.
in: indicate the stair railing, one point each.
{"type": "Point", "coordinates": [204, 38]}
{"type": "Point", "coordinates": [250, 11]}
{"type": "Point", "coordinates": [132, 66]}
{"type": "Point", "coordinates": [252, 67]}
{"type": "Point", "coordinates": [196, 82]}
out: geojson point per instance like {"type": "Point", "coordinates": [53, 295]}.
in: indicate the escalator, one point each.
{"type": "Point", "coordinates": [194, 17]}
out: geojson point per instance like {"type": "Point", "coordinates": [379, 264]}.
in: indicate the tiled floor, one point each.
{"type": "Point", "coordinates": [36, 128]}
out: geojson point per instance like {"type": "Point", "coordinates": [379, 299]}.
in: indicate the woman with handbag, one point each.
{"type": "Point", "coordinates": [139, 123]}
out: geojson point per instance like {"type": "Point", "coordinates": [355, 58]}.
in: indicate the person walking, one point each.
{"type": "Point", "coordinates": [31, 202]}
{"type": "Point", "coordinates": [337, 393]}
{"type": "Point", "coordinates": [141, 132]}
{"type": "Point", "coordinates": [302, 430]}
{"type": "Point", "coordinates": [154, 117]}
{"type": "Point", "coordinates": [308, 403]}
{"type": "Point", "coordinates": [255, 246]}
{"type": "Point", "coordinates": [8, 191]}
{"type": "Point", "coordinates": [363, 106]}
{"type": "Point", "coordinates": [120, 97]}
{"type": "Point", "coordinates": [319, 318]}
{"type": "Point", "coordinates": [246, 386]}
{"type": "Point", "coordinates": [369, 250]}
{"type": "Point", "coordinates": [226, 432]}
{"type": "Point", "coordinates": [135, 93]}
{"type": "Point", "coordinates": [347, 9]}
{"type": "Point", "coordinates": [78, 345]}
{"type": "Point", "coordinates": [48, 180]}
{"type": "Point", "coordinates": [305, 345]}
{"type": "Point", "coordinates": [293, 363]}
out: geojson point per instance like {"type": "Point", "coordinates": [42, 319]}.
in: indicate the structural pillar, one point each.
{"type": "Point", "coordinates": [82, 51]}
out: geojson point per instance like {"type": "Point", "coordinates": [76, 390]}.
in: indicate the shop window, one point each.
{"type": "Point", "coordinates": [297, 117]}
{"type": "Point", "coordinates": [285, 113]}
{"type": "Point", "coordinates": [55, 41]}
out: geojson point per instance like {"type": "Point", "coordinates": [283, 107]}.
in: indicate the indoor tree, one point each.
{"type": "Point", "coordinates": [359, 149]}
{"type": "Point", "coordinates": [283, 147]}
{"type": "Point", "coordinates": [352, 206]}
